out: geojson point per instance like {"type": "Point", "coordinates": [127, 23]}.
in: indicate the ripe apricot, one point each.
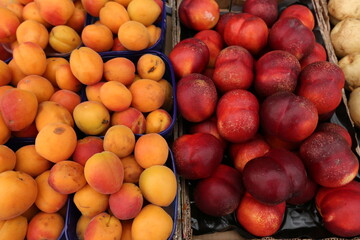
{"type": "Point", "coordinates": [64, 39]}
{"type": "Point", "coordinates": [52, 112]}
{"type": "Point", "coordinates": [31, 11]}
{"type": "Point", "coordinates": [16, 74]}
{"type": "Point", "coordinates": [40, 86]}
{"type": "Point", "coordinates": [132, 169]}
{"type": "Point", "coordinates": [97, 37]}
{"type": "Point", "coordinates": [30, 58]}
{"type": "Point", "coordinates": [120, 140]}
{"type": "Point", "coordinates": [134, 36]}
{"type": "Point", "coordinates": [144, 11]}
{"type": "Point", "coordinates": [120, 69]}
{"type": "Point", "coordinates": [5, 132]}
{"type": "Point", "coordinates": [66, 98]}
{"type": "Point", "coordinates": [155, 34]}
{"type": "Point", "coordinates": [14, 228]}
{"type": "Point", "coordinates": [8, 25]}
{"type": "Point", "coordinates": [5, 73]}
{"type": "Point", "coordinates": [32, 31]}
{"type": "Point", "coordinates": [55, 12]}
{"type": "Point", "coordinates": [147, 95]}
{"type": "Point", "coordinates": [56, 141]}
{"type": "Point", "coordinates": [113, 15]}
{"type": "Point", "coordinates": [151, 67]}
{"type": "Point", "coordinates": [65, 79]}
{"type": "Point", "coordinates": [7, 158]}
{"type": "Point", "coordinates": [115, 96]}
{"type": "Point", "coordinates": [52, 64]}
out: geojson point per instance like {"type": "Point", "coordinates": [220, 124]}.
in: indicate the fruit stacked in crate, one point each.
{"type": "Point", "coordinates": [61, 107]}
{"type": "Point", "coordinates": [257, 98]}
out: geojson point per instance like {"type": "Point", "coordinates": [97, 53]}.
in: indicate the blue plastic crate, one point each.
{"type": "Point", "coordinates": [73, 214]}
{"type": "Point", "coordinates": [158, 46]}
{"type": "Point", "coordinates": [169, 76]}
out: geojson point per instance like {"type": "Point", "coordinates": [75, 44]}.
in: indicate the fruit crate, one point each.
{"type": "Point", "coordinates": [73, 214]}
{"type": "Point", "coordinates": [15, 144]}
{"type": "Point", "coordinates": [161, 23]}
{"type": "Point", "coordinates": [301, 222]}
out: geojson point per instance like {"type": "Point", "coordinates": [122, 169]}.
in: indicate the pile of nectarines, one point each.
{"type": "Point", "coordinates": [256, 95]}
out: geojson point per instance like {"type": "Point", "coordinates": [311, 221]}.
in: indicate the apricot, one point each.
{"type": "Point", "coordinates": [151, 149]}
{"type": "Point", "coordinates": [90, 202]}
{"type": "Point", "coordinates": [67, 177]}
{"type": "Point", "coordinates": [120, 69]}
{"type": "Point", "coordinates": [86, 65]}
{"type": "Point", "coordinates": [48, 200]}
{"type": "Point", "coordinates": [66, 98]}
{"type": "Point", "coordinates": [115, 96]}
{"type": "Point", "coordinates": [104, 172]}
{"type": "Point", "coordinates": [56, 12]}
{"type": "Point", "coordinates": [32, 12]}
{"type": "Point", "coordinates": [14, 228]}
{"type": "Point", "coordinates": [52, 64]}
{"type": "Point", "coordinates": [125, 3]}
{"type": "Point", "coordinates": [134, 36]}
{"type": "Point", "coordinates": [155, 34]}
{"type": "Point", "coordinates": [5, 73]}
{"type": "Point", "coordinates": [92, 92]}
{"type": "Point", "coordinates": [132, 169]}
{"type": "Point", "coordinates": [45, 226]}
{"type": "Point", "coordinates": [16, 74]}
{"type": "Point", "coordinates": [120, 140]}
{"type": "Point", "coordinates": [30, 162]}
{"type": "Point", "coordinates": [103, 226]}
{"type": "Point", "coordinates": [93, 6]}
{"type": "Point", "coordinates": [52, 112]}
{"type": "Point", "coordinates": [157, 121]}
{"type": "Point", "coordinates": [97, 37]}
{"type": "Point", "coordinates": [18, 108]}
{"type": "Point", "coordinates": [29, 132]}
{"type": "Point", "coordinates": [56, 142]}
{"type": "Point", "coordinates": [81, 226]}
{"type": "Point", "coordinates": [18, 192]}
{"type": "Point", "coordinates": [64, 39]}
{"type": "Point", "coordinates": [78, 18]}
{"type": "Point", "coordinates": [144, 11]}
{"type": "Point", "coordinates": [40, 86]}
{"type": "Point", "coordinates": [7, 158]}
{"type": "Point", "coordinates": [32, 31]}
{"type": "Point", "coordinates": [30, 58]}
{"type": "Point", "coordinates": [130, 117]}
{"type": "Point", "coordinates": [151, 67]}
{"type": "Point", "coordinates": [86, 147]}
{"type": "Point", "coordinates": [16, 7]}
{"type": "Point", "coordinates": [147, 95]}
{"type": "Point", "coordinates": [65, 79]}
{"type": "Point", "coordinates": [126, 203]}
{"type": "Point", "coordinates": [152, 223]}
{"type": "Point", "coordinates": [158, 185]}
{"type": "Point", "coordinates": [91, 117]}
{"type": "Point", "coordinates": [113, 15]}
{"type": "Point", "coordinates": [9, 24]}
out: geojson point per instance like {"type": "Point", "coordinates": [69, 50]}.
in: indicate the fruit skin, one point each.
{"type": "Point", "coordinates": [288, 117]}
{"type": "Point", "coordinates": [18, 108]}
{"type": "Point", "coordinates": [196, 97]}
{"type": "Point", "coordinates": [18, 191]}
{"type": "Point", "coordinates": [190, 55]}
{"type": "Point", "coordinates": [300, 12]}
{"type": "Point", "coordinates": [86, 65]}
{"type": "Point", "coordinates": [276, 71]}
{"type": "Point", "coordinates": [64, 39]}
{"type": "Point", "coordinates": [152, 223]}
{"type": "Point", "coordinates": [199, 14]}
{"type": "Point", "coordinates": [103, 226]}
{"type": "Point", "coordinates": [30, 58]}
{"type": "Point", "coordinates": [86, 147]}
{"type": "Point", "coordinates": [340, 220]}
{"type": "Point", "coordinates": [9, 24]}
{"type": "Point", "coordinates": [248, 31]}
{"type": "Point", "coordinates": [219, 194]}
{"type": "Point", "coordinates": [312, 81]}
{"type": "Point", "coordinates": [14, 228]}
{"type": "Point", "coordinates": [237, 115]}
{"type": "Point", "coordinates": [126, 203]}
{"type": "Point", "coordinates": [289, 34]}
{"type": "Point", "coordinates": [45, 226]}
{"type": "Point", "coordinates": [91, 117]}
{"type": "Point", "coordinates": [233, 69]}
{"type": "Point", "coordinates": [197, 155]}
{"type": "Point", "coordinates": [260, 219]}
{"type": "Point", "coordinates": [104, 172]}
{"type": "Point", "coordinates": [213, 41]}
{"type": "Point", "coordinates": [267, 10]}
{"type": "Point", "coordinates": [317, 54]}
{"type": "Point", "coordinates": [130, 117]}
{"type": "Point", "coordinates": [158, 185]}
{"type": "Point", "coordinates": [56, 12]}
{"type": "Point", "coordinates": [325, 153]}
